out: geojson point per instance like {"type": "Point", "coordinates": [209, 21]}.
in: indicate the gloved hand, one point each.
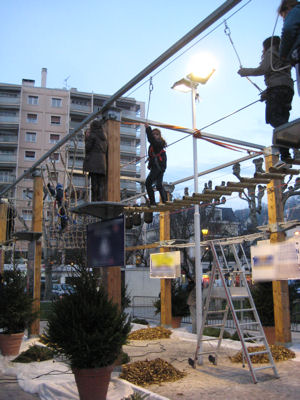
{"type": "Point", "coordinates": [241, 72]}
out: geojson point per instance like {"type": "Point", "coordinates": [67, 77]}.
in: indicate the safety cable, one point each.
{"type": "Point", "coordinates": [149, 98]}
{"type": "Point", "coordinates": [189, 48]}
{"type": "Point", "coordinates": [228, 33]}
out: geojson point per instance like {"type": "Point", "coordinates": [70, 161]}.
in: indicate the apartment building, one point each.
{"type": "Point", "coordinates": [34, 118]}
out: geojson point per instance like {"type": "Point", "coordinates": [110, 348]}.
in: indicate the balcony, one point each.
{"type": "Point", "coordinates": [9, 100]}
{"type": "Point", "coordinates": [8, 139]}
{"type": "Point", "coordinates": [78, 164]}
{"type": "Point", "coordinates": [130, 168]}
{"type": "Point", "coordinates": [4, 179]}
{"type": "Point", "coordinates": [79, 145]}
{"type": "Point", "coordinates": [128, 149]}
{"type": "Point", "coordinates": [9, 120]}
{"type": "Point", "coordinates": [80, 108]}
{"type": "Point", "coordinates": [129, 131]}
{"type": "Point", "coordinates": [8, 158]}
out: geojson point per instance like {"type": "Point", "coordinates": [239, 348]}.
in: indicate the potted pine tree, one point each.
{"type": "Point", "coordinates": [262, 293]}
{"type": "Point", "coordinates": [15, 311]}
{"type": "Point", "coordinates": [89, 331]}
{"type": "Point", "coordinates": [180, 308]}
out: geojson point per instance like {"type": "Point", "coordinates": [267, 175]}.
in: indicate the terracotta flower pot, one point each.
{"type": "Point", "coordinates": [176, 322]}
{"type": "Point", "coordinates": [92, 383]}
{"type": "Point", "coordinates": [10, 343]}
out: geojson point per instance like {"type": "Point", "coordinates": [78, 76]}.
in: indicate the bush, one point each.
{"type": "Point", "coordinates": [16, 305]}
{"type": "Point", "coordinates": [179, 296]}
{"type": "Point", "coordinates": [86, 327]}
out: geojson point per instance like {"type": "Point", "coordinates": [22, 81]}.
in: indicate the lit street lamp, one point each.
{"type": "Point", "coordinates": [190, 84]}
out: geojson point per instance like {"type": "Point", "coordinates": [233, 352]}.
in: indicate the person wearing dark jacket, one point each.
{"type": "Point", "coordinates": [157, 164]}
{"type": "Point", "coordinates": [289, 50]}
{"type": "Point", "coordinates": [95, 161]}
{"type": "Point", "coordinates": [280, 86]}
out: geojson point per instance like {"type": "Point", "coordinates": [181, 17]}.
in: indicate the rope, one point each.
{"type": "Point", "coordinates": [228, 33]}
{"type": "Point", "coordinates": [272, 66]}
{"type": "Point", "coordinates": [149, 98]}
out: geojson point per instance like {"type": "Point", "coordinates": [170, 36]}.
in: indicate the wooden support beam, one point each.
{"type": "Point", "coordinates": [255, 180]}
{"type": "Point", "coordinates": [229, 188]}
{"type": "Point", "coordinates": [112, 275]}
{"type": "Point", "coordinates": [3, 226]}
{"type": "Point", "coordinates": [218, 193]}
{"type": "Point", "coordinates": [268, 175]}
{"type": "Point", "coordinates": [286, 171]}
{"type": "Point", "coordinates": [143, 246]}
{"type": "Point", "coordinates": [165, 284]}
{"type": "Point", "coordinates": [280, 288]}
{"type": "Point", "coordinates": [241, 185]}
{"type": "Point", "coordinates": [37, 218]}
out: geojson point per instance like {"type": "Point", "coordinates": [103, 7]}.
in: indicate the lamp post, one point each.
{"type": "Point", "coordinates": [190, 84]}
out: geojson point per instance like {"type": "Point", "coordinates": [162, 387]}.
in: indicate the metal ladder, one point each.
{"type": "Point", "coordinates": [233, 295]}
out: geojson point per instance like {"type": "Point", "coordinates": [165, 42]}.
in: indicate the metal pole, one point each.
{"type": "Point", "coordinates": [202, 26]}
{"type": "Point", "coordinates": [192, 131]}
{"type": "Point", "coordinates": [198, 265]}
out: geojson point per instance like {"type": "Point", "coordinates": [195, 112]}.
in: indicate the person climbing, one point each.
{"type": "Point", "coordinates": [95, 161]}
{"type": "Point", "coordinates": [157, 164]}
{"type": "Point", "coordinates": [289, 49]}
{"type": "Point", "coordinates": [280, 86]}
{"type": "Point", "coordinates": [59, 194]}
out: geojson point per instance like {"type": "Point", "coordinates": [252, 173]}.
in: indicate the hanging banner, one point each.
{"type": "Point", "coordinates": [275, 262]}
{"type": "Point", "coordinates": [165, 265]}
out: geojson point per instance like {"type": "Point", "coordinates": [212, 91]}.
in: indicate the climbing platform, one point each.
{"type": "Point", "coordinates": [288, 135]}
{"type": "Point", "coordinates": [27, 235]}
{"type": "Point", "coordinates": [100, 209]}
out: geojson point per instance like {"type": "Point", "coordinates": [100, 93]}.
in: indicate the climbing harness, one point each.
{"type": "Point", "coordinates": [228, 33]}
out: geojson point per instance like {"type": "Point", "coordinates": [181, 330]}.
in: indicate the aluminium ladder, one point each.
{"type": "Point", "coordinates": [235, 297]}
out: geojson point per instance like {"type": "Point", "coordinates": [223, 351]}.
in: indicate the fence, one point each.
{"type": "Point", "coordinates": [143, 307]}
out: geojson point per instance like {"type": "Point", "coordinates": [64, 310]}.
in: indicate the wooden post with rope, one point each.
{"type": "Point", "coordinates": [112, 275]}
{"type": "Point", "coordinates": [37, 217]}
{"type": "Point", "coordinates": [3, 225]}
{"type": "Point", "coordinates": [280, 288]}
{"type": "Point", "coordinates": [165, 284]}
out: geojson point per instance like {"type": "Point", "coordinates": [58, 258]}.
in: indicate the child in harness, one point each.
{"type": "Point", "coordinates": [157, 164]}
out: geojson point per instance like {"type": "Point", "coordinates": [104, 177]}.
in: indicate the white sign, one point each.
{"type": "Point", "coordinates": [165, 265]}
{"type": "Point", "coordinates": [275, 262]}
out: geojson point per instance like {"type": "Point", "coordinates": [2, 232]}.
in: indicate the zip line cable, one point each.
{"type": "Point", "coordinates": [189, 48]}
{"type": "Point", "coordinates": [199, 130]}
{"type": "Point", "coordinates": [228, 34]}
{"type": "Point", "coordinates": [272, 66]}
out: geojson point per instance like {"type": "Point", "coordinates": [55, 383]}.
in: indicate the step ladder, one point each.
{"type": "Point", "coordinates": [237, 297]}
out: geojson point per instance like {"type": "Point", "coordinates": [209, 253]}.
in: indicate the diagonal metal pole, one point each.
{"type": "Point", "coordinates": [201, 27]}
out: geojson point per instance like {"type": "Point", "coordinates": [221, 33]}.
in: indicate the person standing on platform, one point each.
{"type": "Point", "coordinates": [289, 50]}
{"type": "Point", "coordinates": [157, 164]}
{"type": "Point", "coordinates": [95, 161]}
{"type": "Point", "coordinates": [280, 86]}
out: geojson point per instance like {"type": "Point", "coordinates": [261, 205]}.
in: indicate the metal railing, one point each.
{"type": "Point", "coordinates": [143, 307]}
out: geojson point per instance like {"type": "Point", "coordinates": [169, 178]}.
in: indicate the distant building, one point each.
{"type": "Point", "coordinates": [33, 119]}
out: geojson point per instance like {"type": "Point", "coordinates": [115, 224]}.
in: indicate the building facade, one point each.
{"type": "Point", "coordinates": [33, 119]}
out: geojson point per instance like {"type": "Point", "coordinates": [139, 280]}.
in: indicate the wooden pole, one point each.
{"type": "Point", "coordinates": [112, 275]}
{"type": "Point", "coordinates": [37, 217]}
{"type": "Point", "coordinates": [280, 288]}
{"type": "Point", "coordinates": [165, 284]}
{"type": "Point", "coordinates": [3, 225]}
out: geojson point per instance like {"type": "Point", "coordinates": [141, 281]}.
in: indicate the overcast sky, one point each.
{"type": "Point", "coordinates": [101, 45]}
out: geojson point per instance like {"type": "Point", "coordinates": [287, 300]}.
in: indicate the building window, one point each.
{"type": "Point", "coordinates": [32, 118]}
{"type": "Point", "coordinates": [6, 176]}
{"type": "Point", "coordinates": [54, 176]}
{"type": "Point", "coordinates": [30, 137]}
{"type": "Point", "coordinates": [54, 138]}
{"type": "Point", "coordinates": [55, 120]}
{"type": "Point", "coordinates": [56, 102]}
{"type": "Point", "coordinates": [27, 194]}
{"type": "Point", "coordinates": [27, 215]}
{"type": "Point", "coordinates": [54, 157]}
{"type": "Point", "coordinates": [33, 100]}
{"type": "Point", "coordinates": [29, 155]}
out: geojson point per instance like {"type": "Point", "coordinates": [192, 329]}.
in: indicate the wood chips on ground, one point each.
{"type": "Point", "coordinates": [156, 371]}
{"type": "Point", "coordinates": [150, 334]}
{"type": "Point", "coordinates": [279, 353]}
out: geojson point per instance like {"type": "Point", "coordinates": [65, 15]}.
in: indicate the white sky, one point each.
{"type": "Point", "coordinates": [101, 45]}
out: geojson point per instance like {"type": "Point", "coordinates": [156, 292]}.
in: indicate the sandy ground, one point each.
{"type": "Point", "coordinates": [225, 381]}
